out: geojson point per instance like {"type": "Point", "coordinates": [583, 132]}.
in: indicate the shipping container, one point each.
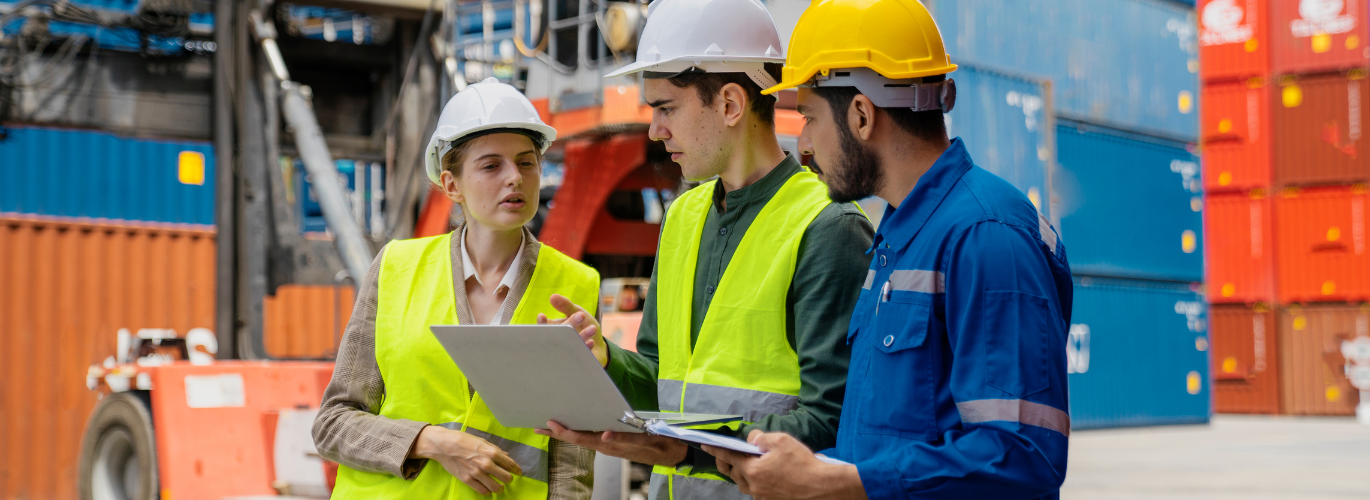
{"type": "Point", "coordinates": [1236, 135]}
{"type": "Point", "coordinates": [1129, 206]}
{"type": "Point", "coordinates": [1239, 245]}
{"type": "Point", "coordinates": [1313, 370]}
{"type": "Point", "coordinates": [67, 288]}
{"type": "Point", "coordinates": [1309, 36]}
{"type": "Point", "coordinates": [1318, 123]}
{"type": "Point", "coordinates": [1321, 244]}
{"type": "Point", "coordinates": [79, 173]}
{"type": "Point", "coordinates": [1245, 359]}
{"type": "Point", "coordinates": [1001, 120]}
{"type": "Point", "coordinates": [1234, 39]}
{"type": "Point", "coordinates": [306, 321]}
{"type": "Point", "coordinates": [1131, 64]}
{"type": "Point", "coordinates": [1137, 354]}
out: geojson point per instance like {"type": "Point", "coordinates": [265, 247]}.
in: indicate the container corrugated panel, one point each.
{"type": "Point", "coordinates": [1313, 372]}
{"type": "Point", "coordinates": [1239, 243]}
{"type": "Point", "coordinates": [67, 288]}
{"type": "Point", "coordinates": [1236, 135]}
{"type": "Point", "coordinates": [1234, 40]}
{"type": "Point", "coordinates": [1309, 36]}
{"type": "Point", "coordinates": [1001, 119]}
{"type": "Point", "coordinates": [1137, 354]}
{"type": "Point", "coordinates": [77, 173]}
{"type": "Point", "coordinates": [1132, 64]}
{"type": "Point", "coordinates": [306, 321]}
{"type": "Point", "coordinates": [1129, 206]}
{"type": "Point", "coordinates": [1319, 124]}
{"type": "Point", "coordinates": [1321, 244]}
{"type": "Point", "coordinates": [1246, 364]}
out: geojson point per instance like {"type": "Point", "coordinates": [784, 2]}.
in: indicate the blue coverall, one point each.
{"type": "Point", "coordinates": [957, 383]}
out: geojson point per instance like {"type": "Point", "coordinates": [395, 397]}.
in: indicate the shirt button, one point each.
{"type": "Point", "coordinates": [889, 340]}
{"type": "Point", "coordinates": [723, 231]}
{"type": "Point", "coordinates": [709, 290]}
{"type": "Point", "coordinates": [882, 261]}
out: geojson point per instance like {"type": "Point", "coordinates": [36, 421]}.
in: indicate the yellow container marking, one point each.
{"type": "Point", "coordinates": [1186, 102]}
{"type": "Point", "coordinates": [1224, 125]}
{"type": "Point", "coordinates": [190, 168]}
{"type": "Point", "coordinates": [1322, 42]}
{"type": "Point", "coordinates": [1352, 42]}
{"type": "Point", "coordinates": [1251, 45]}
{"type": "Point", "coordinates": [1300, 323]}
{"type": "Point", "coordinates": [1333, 233]}
{"type": "Point", "coordinates": [1230, 365]}
{"type": "Point", "coordinates": [1292, 96]}
{"type": "Point", "coordinates": [1189, 241]}
{"type": "Point", "coordinates": [1224, 178]}
{"type": "Point", "coordinates": [1333, 394]}
{"type": "Point", "coordinates": [1229, 289]}
{"type": "Point", "coordinates": [1193, 383]}
{"type": "Point", "coordinates": [1329, 287]}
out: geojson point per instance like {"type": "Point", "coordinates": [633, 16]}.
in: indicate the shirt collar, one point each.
{"type": "Point", "coordinates": [900, 225]}
{"type": "Point", "coordinates": [761, 190]}
{"type": "Point", "coordinates": [510, 275]}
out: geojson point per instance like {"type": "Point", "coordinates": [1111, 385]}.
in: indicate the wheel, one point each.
{"type": "Point", "coordinates": [118, 457]}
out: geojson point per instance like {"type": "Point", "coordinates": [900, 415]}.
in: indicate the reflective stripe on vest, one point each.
{"type": "Point", "coordinates": [415, 291]}
{"type": "Point", "coordinates": [742, 363]}
{"type": "Point", "coordinates": [692, 487]}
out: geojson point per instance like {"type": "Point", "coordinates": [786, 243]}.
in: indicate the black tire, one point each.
{"type": "Point", "coordinates": [118, 455]}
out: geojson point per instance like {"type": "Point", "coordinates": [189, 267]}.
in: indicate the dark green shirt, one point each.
{"type": "Point", "coordinates": [827, 281]}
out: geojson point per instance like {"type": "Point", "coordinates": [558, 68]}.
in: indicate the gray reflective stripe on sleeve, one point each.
{"type": "Point", "coordinates": [914, 280]}
{"type": "Point", "coordinates": [1048, 233]}
{"type": "Point", "coordinates": [1015, 410]}
{"type": "Point", "coordinates": [668, 394]}
{"type": "Point", "coordinates": [532, 460]}
{"type": "Point", "coordinates": [658, 487]}
{"type": "Point", "coordinates": [695, 488]}
{"type": "Point", "coordinates": [870, 279]}
{"type": "Point", "coordinates": [752, 405]}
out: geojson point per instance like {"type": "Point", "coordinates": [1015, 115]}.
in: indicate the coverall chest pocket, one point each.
{"type": "Point", "coordinates": [898, 397]}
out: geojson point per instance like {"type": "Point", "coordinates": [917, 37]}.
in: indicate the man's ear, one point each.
{"type": "Point", "coordinates": [861, 117]}
{"type": "Point", "coordinates": [734, 99]}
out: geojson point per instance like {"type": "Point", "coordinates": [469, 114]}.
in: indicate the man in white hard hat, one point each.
{"type": "Point", "coordinates": [757, 272]}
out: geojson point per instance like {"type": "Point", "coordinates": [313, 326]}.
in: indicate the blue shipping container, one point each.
{"type": "Point", "coordinates": [1128, 206]}
{"type": "Point", "coordinates": [1137, 354]}
{"type": "Point", "coordinates": [77, 173]}
{"type": "Point", "coordinates": [1000, 120]}
{"type": "Point", "coordinates": [1131, 64]}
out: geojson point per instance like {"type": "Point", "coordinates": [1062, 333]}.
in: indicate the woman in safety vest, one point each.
{"type": "Point", "coordinates": [399, 415]}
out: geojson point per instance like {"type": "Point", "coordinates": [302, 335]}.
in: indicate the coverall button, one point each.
{"type": "Point", "coordinates": [723, 231]}
{"type": "Point", "coordinates": [882, 261]}
{"type": "Point", "coordinates": [889, 340]}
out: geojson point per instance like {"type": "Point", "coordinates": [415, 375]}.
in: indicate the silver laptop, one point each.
{"type": "Point", "coordinates": [530, 374]}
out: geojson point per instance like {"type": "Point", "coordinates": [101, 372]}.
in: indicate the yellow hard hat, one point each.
{"type": "Point", "coordinates": [896, 38]}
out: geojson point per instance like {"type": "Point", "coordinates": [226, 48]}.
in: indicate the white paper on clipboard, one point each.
{"type": "Point", "coordinates": [715, 440]}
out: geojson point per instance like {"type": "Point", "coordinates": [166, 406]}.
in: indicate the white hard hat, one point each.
{"type": "Point", "coordinates": [483, 106]}
{"type": "Point", "coordinates": [713, 36]}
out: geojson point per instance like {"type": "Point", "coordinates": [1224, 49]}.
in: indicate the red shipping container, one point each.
{"type": "Point", "coordinates": [1321, 245]}
{"type": "Point", "coordinates": [1235, 123]}
{"type": "Point", "coordinates": [1309, 36]}
{"type": "Point", "coordinates": [1239, 248]}
{"type": "Point", "coordinates": [1245, 359]}
{"type": "Point", "coordinates": [1312, 368]}
{"type": "Point", "coordinates": [1233, 39]}
{"type": "Point", "coordinates": [1318, 129]}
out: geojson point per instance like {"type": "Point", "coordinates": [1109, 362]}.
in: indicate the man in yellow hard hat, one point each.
{"type": "Point", "coordinates": [757, 271]}
{"type": "Point", "coordinates": [957, 382]}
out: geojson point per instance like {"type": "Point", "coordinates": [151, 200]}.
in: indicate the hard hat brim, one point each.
{"type": "Point", "coordinates": [708, 64]}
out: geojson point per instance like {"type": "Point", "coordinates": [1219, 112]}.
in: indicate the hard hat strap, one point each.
{"type": "Point", "coordinates": [889, 93]}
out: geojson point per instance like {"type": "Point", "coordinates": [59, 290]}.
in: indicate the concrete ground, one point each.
{"type": "Point", "coordinates": [1236, 457]}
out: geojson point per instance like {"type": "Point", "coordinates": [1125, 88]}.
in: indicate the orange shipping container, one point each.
{"type": "Point", "coordinates": [1319, 129]}
{"type": "Point", "coordinates": [1239, 248]}
{"type": "Point", "coordinates": [1245, 361]}
{"type": "Point", "coordinates": [1236, 135]}
{"type": "Point", "coordinates": [66, 287]}
{"type": "Point", "coordinates": [1234, 40]}
{"type": "Point", "coordinates": [1321, 245]}
{"type": "Point", "coordinates": [1317, 35]}
{"type": "Point", "coordinates": [306, 321]}
{"type": "Point", "coordinates": [1312, 370]}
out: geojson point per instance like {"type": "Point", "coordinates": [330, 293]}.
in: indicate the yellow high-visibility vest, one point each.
{"type": "Point", "coordinates": [742, 362]}
{"type": "Point", "coordinates": [423, 384]}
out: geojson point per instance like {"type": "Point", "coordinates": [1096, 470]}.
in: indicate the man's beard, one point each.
{"type": "Point", "coordinates": [857, 174]}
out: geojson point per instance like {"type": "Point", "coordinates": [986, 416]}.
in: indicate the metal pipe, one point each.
{"type": "Point", "coordinates": [225, 266]}
{"type": "Point", "coordinates": [356, 253]}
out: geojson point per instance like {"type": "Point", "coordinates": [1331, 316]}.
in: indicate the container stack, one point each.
{"type": "Point", "coordinates": [1091, 108]}
{"type": "Point", "coordinates": [1285, 169]}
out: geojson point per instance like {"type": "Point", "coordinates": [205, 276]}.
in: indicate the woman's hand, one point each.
{"type": "Point", "coordinates": [584, 323]}
{"type": "Point", "coordinates": [481, 465]}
